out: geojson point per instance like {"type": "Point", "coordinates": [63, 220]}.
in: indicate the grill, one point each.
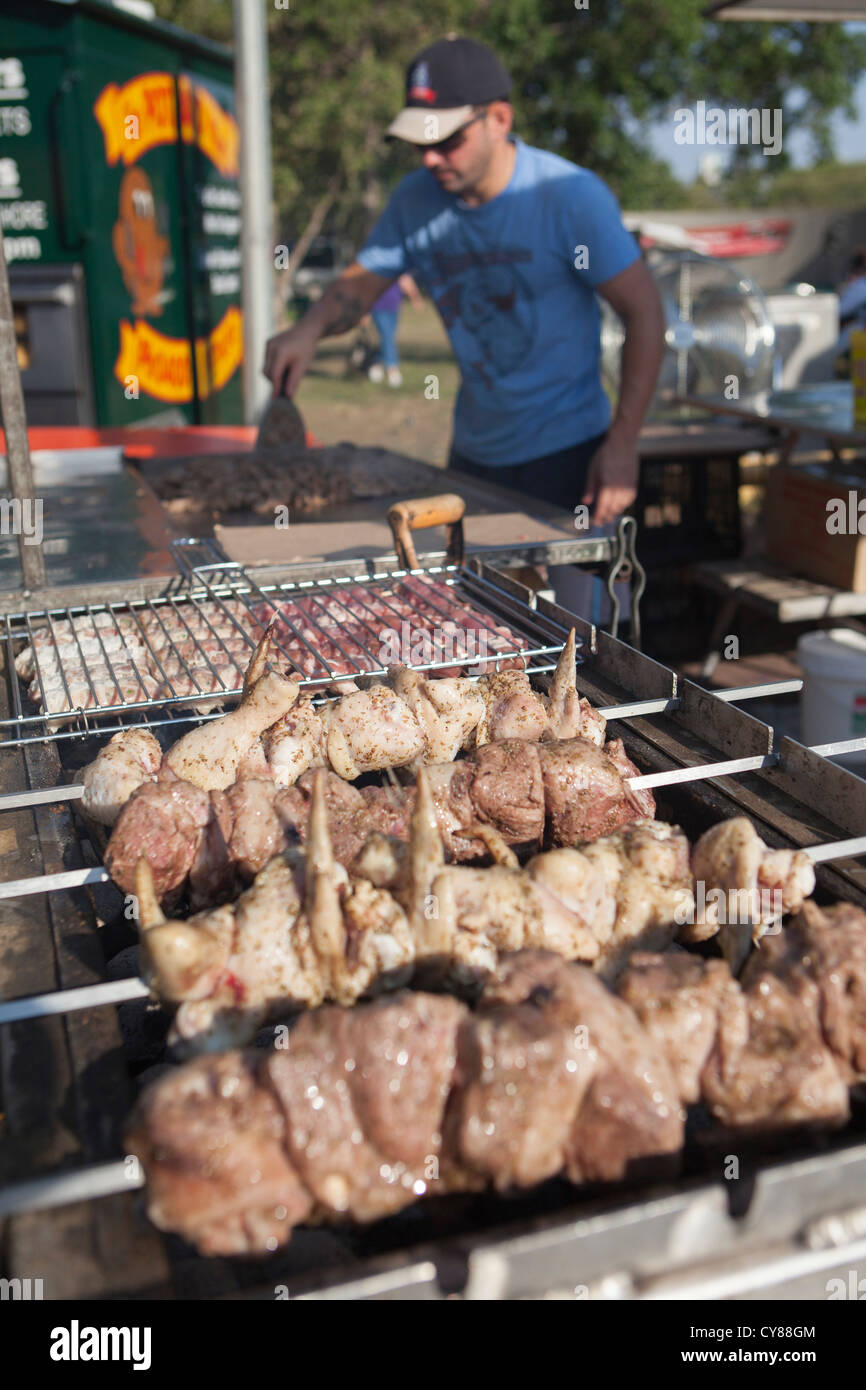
{"type": "Point", "coordinates": [190, 647]}
{"type": "Point", "coordinates": [68, 1199]}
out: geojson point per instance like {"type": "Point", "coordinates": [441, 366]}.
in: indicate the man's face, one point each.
{"type": "Point", "coordinates": [460, 167]}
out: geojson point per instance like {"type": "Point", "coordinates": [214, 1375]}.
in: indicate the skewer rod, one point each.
{"type": "Point", "coordinates": [16, 800]}
{"type": "Point", "coordinates": [59, 1189]}
{"type": "Point", "coordinates": [702, 771]}
{"type": "Point", "coordinates": [836, 849]}
{"type": "Point", "coordinates": [47, 883]}
{"type": "Point", "coordinates": [67, 1001]}
{"type": "Point", "coordinates": [12, 801]}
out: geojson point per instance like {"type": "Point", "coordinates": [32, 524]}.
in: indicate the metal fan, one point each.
{"type": "Point", "coordinates": [718, 328]}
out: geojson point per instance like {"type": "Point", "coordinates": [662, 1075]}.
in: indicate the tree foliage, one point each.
{"type": "Point", "coordinates": [588, 83]}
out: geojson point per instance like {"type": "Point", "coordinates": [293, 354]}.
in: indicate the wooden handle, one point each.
{"type": "Point", "coordinates": [417, 513]}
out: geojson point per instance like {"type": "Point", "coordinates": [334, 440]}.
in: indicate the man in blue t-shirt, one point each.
{"type": "Point", "coordinates": [513, 244]}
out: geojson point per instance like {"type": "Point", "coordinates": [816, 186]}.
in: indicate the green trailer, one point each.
{"type": "Point", "coordinates": [120, 209]}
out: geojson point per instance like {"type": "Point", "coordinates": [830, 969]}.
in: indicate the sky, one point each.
{"type": "Point", "coordinates": [850, 139]}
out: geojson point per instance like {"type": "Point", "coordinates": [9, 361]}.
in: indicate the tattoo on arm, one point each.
{"type": "Point", "coordinates": [347, 310]}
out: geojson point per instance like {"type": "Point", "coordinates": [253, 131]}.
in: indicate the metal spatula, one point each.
{"type": "Point", "coordinates": [281, 428]}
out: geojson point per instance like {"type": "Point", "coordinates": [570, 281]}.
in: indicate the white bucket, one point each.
{"type": "Point", "coordinates": [833, 704]}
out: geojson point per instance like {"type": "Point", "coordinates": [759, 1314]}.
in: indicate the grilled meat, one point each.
{"type": "Point", "coordinates": [752, 886]}
{"type": "Point", "coordinates": [501, 786]}
{"type": "Point", "coordinates": [679, 998]}
{"type": "Point", "coordinates": [164, 823]}
{"type": "Point", "coordinates": [128, 761]}
{"type": "Point", "coordinates": [757, 1054]}
{"type": "Point", "coordinates": [821, 958]}
{"type": "Point", "coordinates": [412, 720]}
{"type": "Point", "coordinates": [365, 1110]}
{"type": "Point", "coordinates": [307, 931]}
{"type": "Point", "coordinates": [770, 1067]}
{"type": "Point", "coordinates": [368, 1109]}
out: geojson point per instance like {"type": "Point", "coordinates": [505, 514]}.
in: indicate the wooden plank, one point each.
{"type": "Point", "coordinates": [783, 596]}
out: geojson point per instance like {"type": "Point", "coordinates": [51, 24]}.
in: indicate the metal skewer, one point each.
{"type": "Point", "coordinates": [121, 991]}
{"type": "Point", "coordinates": [47, 883]}
{"type": "Point", "coordinates": [702, 771]}
{"type": "Point", "coordinates": [836, 849]}
{"type": "Point", "coordinates": [77, 878]}
{"type": "Point", "coordinates": [14, 801]}
{"type": "Point", "coordinates": [67, 1001]}
{"type": "Point", "coordinates": [58, 1189]}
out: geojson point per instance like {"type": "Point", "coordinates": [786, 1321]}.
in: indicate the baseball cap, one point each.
{"type": "Point", "coordinates": [447, 80]}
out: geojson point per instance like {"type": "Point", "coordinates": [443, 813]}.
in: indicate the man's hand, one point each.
{"type": "Point", "coordinates": [611, 484]}
{"type": "Point", "coordinates": [288, 356]}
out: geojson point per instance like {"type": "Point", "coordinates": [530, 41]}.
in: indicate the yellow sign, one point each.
{"type": "Point", "coordinates": [162, 366]}
{"type": "Point", "coordinates": [210, 127]}
{"type": "Point", "coordinates": [135, 117]}
{"type": "Point", "coordinates": [219, 355]}
{"type": "Point", "coordinates": [144, 112]}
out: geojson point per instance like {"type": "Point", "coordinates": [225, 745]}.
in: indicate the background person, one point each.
{"type": "Point", "coordinates": [385, 314]}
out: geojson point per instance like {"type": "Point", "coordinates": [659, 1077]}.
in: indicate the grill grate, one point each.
{"type": "Point", "coordinates": [171, 658]}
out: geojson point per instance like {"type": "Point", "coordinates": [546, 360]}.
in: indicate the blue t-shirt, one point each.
{"type": "Point", "coordinates": [514, 282]}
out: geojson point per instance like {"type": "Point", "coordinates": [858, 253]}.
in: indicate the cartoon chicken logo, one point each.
{"type": "Point", "coordinates": [139, 246]}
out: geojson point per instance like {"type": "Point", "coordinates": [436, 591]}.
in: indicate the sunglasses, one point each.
{"type": "Point", "coordinates": [454, 141]}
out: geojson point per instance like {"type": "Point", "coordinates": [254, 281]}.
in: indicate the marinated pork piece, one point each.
{"type": "Point", "coordinates": [251, 828]}
{"type": "Point", "coordinates": [127, 762]}
{"type": "Point", "coordinates": [211, 1138]}
{"type": "Point", "coordinates": [163, 822]}
{"type": "Point", "coordinates": [363, 1094]}
{"type": "Point", "coordinates": [630, 1109]}
{"type": "Point", "coordinates": [350, 1118]}
{"type": "Point", "coordinates": [821, 958]}
{"type": "Point", "coordinates": [585, 789]}
{"type": "Point", "coordinates": [521, 1078]}
{"type": "Point", "coordinates": [769, 1068]}
{"type": "Point", "coordinates": [679, 999]}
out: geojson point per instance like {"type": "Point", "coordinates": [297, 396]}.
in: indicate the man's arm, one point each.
{"type": "Point", "coordinates": [344, 303]}
{"type": "Point", "coordinates": [613, 474]}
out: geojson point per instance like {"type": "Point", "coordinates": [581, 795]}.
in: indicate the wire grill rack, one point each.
{"type": "Point", "coordinates": [96, 667]}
